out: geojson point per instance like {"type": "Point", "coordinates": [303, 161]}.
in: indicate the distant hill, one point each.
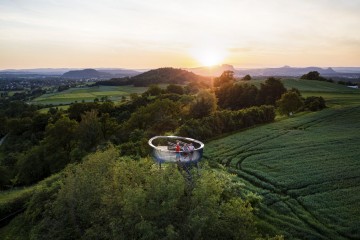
{"type": "Point", "coordinates": [284, 71]}
{"type": "Point", "coordinates": [86, 73]}
{"type": "Point", "coordinates": [157, 76]}
{"type": "Point", "coordinates": [212, 71]}
{"type": "Point", "coordinates": [45, 72]}
{"type": "Point", "coordinates": [118, 72]}
{"type": "Point", "coordinates": [38, 71]}
{"type": "Point", "coordinates": [347, 69]}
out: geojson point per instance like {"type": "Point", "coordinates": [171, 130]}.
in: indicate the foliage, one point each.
{"type": "Point", "coordinates": [270, 91]}
{"type": "Point", "coordinates": [51, 155]}
{"type": "Point", "coordinates": [203, 105]}
{"type": "Point", "coordinates": [136, 148]}
{"type": "Point", "coordinates": [89, 131]}
{"type": "Point", "coordinates": [12, 201]}
{"type": "Point", "coordinates": [15, 109]}
{"type": "Point", "coordinates": [153, 90]}
{"type": "Point", "coordinates": [315, 103]}
{"type": "Point", "coordinates": [156, 118]}
{"type": "Point", "coordinates": [166, 75]}
{"type": "Point", "coordinates": [108, 197]}
{"type": "Point", "coordinates": [247, 77]}
{"type": "Point", "coordinates": [173, 88]}
{"type": "Point", "coordinates": [237, 96]}
{"type": "Point", "coordinates": [226, 121]}
{"type": "Point", "coordinates": [227, 77]}
{"type": "Point", "coordinates": [290, 102]}
{"type": "Point", "coordinates": [76, 109]}
{"type": "Point", "coordinates": [314, 75]}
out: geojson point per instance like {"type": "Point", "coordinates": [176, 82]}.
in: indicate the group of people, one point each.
{"type": "Point", "coordinates": [187, 150]}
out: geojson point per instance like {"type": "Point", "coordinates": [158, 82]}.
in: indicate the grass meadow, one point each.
{"type": "Point", "coordinates": [88, 94]}
{"type": "Point", "coordinates": [306, 168]}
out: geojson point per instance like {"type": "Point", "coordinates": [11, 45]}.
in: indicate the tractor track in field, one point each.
{"type": "Point", "coordinates": [262, 182]}
{"type": "Point", "coordinates": [324, 230]}
{"type": "Point", "coordinates": [317, 121]}
{"type": "Point", "coordinates": [288, 191]}
{"type": "Point", "coordinates": [258, 141]}
{"type": "Point", "coordinates": [235, 155]}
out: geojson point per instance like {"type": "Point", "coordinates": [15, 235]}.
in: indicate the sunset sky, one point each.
{"type": "Point", "coordinates": [179, 33]}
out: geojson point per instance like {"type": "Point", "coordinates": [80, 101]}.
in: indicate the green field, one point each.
{"type": "Point", "coordinates": [306, 168]}
{"type": "Point", "coordinates": [310, 85]}
{"type": "Point", "coordinates": [334, 94]}
{"type": "Point", "coordinates": [88, 94]}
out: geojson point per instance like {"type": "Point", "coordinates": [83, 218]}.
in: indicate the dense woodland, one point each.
{"type": "Point", "coordinates": [158, 76]}
{"type": "Point", "coordinates": [103, 185]}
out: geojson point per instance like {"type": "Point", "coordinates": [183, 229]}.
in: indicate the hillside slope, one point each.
{"type": "Point", "coordinates": [157, 76]}
{"type": "Point", "coordinates": [306, 168]}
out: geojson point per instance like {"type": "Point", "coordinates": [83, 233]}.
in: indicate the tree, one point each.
{"type": "Point", "coordinates": [75, 110]}
{"type": "Point", "coordinates": [247, 77]}
{"type": "Point", "coordinates": [153, 90]}
{"type": "Point", "coordinates": [31, 166]}
{"type": "Point", "coordinates": [134, 96]}
{"type": "Point", "coordinates": [270, 91]}
{"type": "Point", "coordinates": [315, 103]}
{"type": "Point", "coordinates": [236, 96]}
{"type": "Point", "coordinates": [177, 89]}
{"type": "Point", "coordinates": [204, 104]}
{"type": "Point", "coordinates": [158, 117]}
{"type": "Point", "coordinates": [290, 102]}
{"type": "Point", "coordinates": [227, 77]}
{"type": "Point", "coordinates": [60, 140]}
{"type": "Point", "coordinates": [313, 75]}
{"type": "Point", "coordinates": [89, 131]}
{"type": "Point", "coordinates": [109, 125]}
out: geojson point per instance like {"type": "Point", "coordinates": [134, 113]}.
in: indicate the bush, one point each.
{"type": "Point", "coordinates": [290, 102]}
{"type": "Point", "coordinates": [315, 103]}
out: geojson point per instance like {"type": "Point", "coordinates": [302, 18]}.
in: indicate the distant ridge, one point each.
{"type": "Point", "coordinates": [285, 71]}
{"type": "Point", "coordinates": [212, 71]}
{"type": "Point", "coordinates": [85, 73]}
{"type": "Point", "coordinates": [115, 72]}
{"type": "Point", "coordinates": [157, 76]}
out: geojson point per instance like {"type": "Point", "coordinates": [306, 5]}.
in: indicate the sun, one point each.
{"type": "Point", "coordinates": [208, 56]}
{"type": "Point", "coordinates": [209, 59]}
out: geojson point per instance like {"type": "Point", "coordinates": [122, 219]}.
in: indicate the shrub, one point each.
{"type": "Point", "coordinates": [315, 103]}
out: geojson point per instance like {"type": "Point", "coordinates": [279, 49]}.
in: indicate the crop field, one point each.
{"type": "Point", "coordinates": [310, 85]}
{"type": "Point", "coordinates": [334, 94]}
{"type": "Point", "coordinates": [306, 168]}
{"type": "Point", "coordinates": [88, 94]}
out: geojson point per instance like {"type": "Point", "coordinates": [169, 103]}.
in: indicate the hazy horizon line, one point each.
{"type": "Point", "coordinates": [148, 68]}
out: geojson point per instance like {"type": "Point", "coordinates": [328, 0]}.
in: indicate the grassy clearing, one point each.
{"type": "Point", "coordinates": [88, 94]}
{"type": "Point", "coordinates": [306, 168]}
{"type": "Point", "coordinates": [63, 107]}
